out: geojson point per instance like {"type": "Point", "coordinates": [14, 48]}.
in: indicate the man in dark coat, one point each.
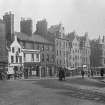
{"type": "Point", "coordinates": [82, 73]}
{"type": "Point", "coordinates": [102, 72]}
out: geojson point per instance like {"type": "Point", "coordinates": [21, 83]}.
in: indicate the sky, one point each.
{"type": "Point", "coordinates": [79, 15]}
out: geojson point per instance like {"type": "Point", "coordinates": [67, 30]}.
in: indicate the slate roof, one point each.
{"type": "Point", "coordinates": [34, 38]}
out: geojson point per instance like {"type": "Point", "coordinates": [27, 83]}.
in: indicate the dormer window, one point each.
{"type": "Point", "coordinates": [13, 50]}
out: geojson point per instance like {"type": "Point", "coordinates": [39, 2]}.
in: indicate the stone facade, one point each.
{"type": "Point", "coordinates": [98, 52]}
{"type": "Point", "coordinates": [85, 50]}
{"type": "Point", "coordinates": [72, 51]}
{"type": "Point", "coordinates": [47, 51]}
{"type": "Point", "coordinates": [75, 52]}
{"type": "Point", "coordinates": [62, 47]}
{"type": "Point", "coordinates": [19, 59]}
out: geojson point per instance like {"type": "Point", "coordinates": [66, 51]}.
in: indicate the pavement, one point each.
{"type": "Point", "coordinates": [50, 91]}
{"type": "Point", "coordinates": [95, 84]}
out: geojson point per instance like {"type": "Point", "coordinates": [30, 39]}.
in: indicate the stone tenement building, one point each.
{"type": "Point", "coordinates": [47, 51]}
{"type": "Point", "coordinates": [62, 48]}
{"type": "Point", "coordinates": [75, 51]}
{"type": "Point", "coordinates": [85, 50]}
{"type": "Point", "coordinates": [98, 52]}
{"type": "Point", "coordinates": [72, 51]}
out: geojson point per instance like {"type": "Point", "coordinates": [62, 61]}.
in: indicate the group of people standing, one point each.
{"type": "Point", "coordinates": [91, 73]}
{"type": "Point", "coordinates": [62, 73]}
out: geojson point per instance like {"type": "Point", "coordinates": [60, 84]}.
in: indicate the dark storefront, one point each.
{"type": "Point", "coordinates": [31, 69]}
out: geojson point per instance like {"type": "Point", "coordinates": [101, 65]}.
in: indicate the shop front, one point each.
{"type": "Point", "coordinates": [31, 69]}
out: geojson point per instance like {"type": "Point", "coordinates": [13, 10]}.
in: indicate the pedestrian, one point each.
{"type": "Point", "coordinates": [82, 73]}
{"type": "Point", "coordinates": [102, 72]}
{"type": "Point", "coordinates": [92, 73]}
{"type": "Point", "coordinates": [60, 73]}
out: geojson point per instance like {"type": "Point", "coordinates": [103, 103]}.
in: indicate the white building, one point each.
{"type": "Point", "coordinates": [18, 57]}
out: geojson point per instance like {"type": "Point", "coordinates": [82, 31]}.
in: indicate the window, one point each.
{"type": "Point", "coordinates": [12, 59]}
{"type": "Point", "coordinates": [42, 57]}
{"type": "Point", "coordinates": [47, 58]}
{"type": "Point", "coordinates": [37, 57]}
{"type": "Point", "coordinates": [104, 61]}
{"type": "Point", "coordinates": [66, 44]}
{"type": "Point", "coordinates": [32, 57]}
{"type": "Point", "coordinates": [37, 46]}
{"type": "Point", "coordinates": [13, 50]}
{"type": "Point", "coordinates": [19, 50]}
{"type": "Point", "coordinates": [16, 59]}
{"type": "Point", "coordinates": [57, 61]}
{"type": "Point", "coordinates": [47, 48]}
{"type": "Point", "coordinates": [57, 52]}
{"type": "Point", "coordinates": [69, 57]}
{"type": "Point", "coordinates": [52, 58]}
{"type": "Point", "coordinates": [52, 48]}
{"type": "Point", "coordinates": [60, 52]}
{"type": "Point", "coordinates": [75, 57]}
{"type": "Point", "coordinates": [23, 44]}
{"type": "Point", "coordinates": [57, 42]}
{"type": "Point", "coordinates": [64, 61]}
{"type": "Point", "coordinates": [42, 47]}
{"type": "Point", "coordinates": [20, 59]}
{"type": "Point", "coordinates": [60, 62]}
{"type": "Point", "coordinates": [64, 53]}
{"type": "Point", "coordinates": [24, 57]}
{"type": "Point", "coordinates": [60, 43]}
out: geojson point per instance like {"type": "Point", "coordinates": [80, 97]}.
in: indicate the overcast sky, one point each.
{"type": "Point", "coordinates": [79, 15]}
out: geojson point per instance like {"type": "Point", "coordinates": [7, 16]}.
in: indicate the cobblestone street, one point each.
{"type": "Point", "coordinates": [48, 92]}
